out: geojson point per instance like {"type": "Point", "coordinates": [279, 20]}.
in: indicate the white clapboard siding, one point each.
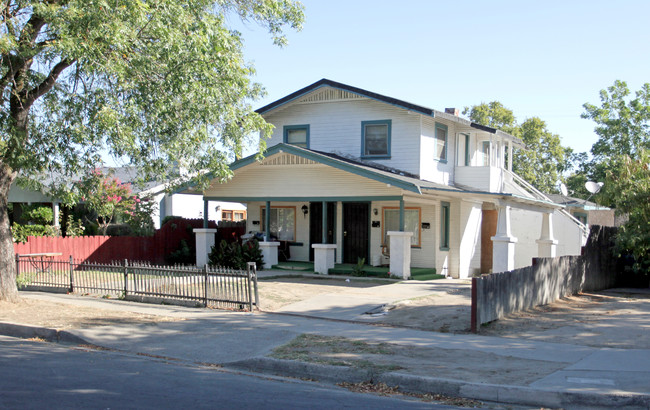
{"type": "Point", "coordinates": [421, 257]}
{"type": "Point", "coordinates": [336, 127]}
{"type": "Point", "coordinates": [482, 178]}
{"type": "Point", "coordinates": [430, 168]}
{"type": "Point", "coordinates": [313, 180]}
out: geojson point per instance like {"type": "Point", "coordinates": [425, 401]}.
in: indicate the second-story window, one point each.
{"type": "Point", "coordinates": [297, 135]}
{"type": "Point", "coordinates": [375, 139]}
{"type": "Point", "coordinates": [485, 153]}
{"type": "Point", "coordinates": [441, 142]}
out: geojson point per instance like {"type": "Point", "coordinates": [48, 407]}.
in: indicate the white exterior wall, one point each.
{"type": "Point", "coordinates": [527, 228]}
{"type": "Point", "coordinates": [336, 127]}
{"type": "Point", "coordinates": [431, 169]}
{"type": "Point", "coordinates": [422, 256]}
{"type": "Point", "coordinates": [313, 180]}
{"type": "Point", "coordinates": [189, 206]}
{"type": "Point", "coordinates": [470, 215]}
{"type": "Point", "coordinates": [297, 253]}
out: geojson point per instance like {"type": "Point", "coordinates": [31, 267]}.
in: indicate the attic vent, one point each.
{"type": "Point", "coordinates": [330, 94]}
{"type": "Point", "coordinates": [287, 159]}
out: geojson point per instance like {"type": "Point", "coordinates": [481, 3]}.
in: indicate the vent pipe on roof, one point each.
{"type": "Point", "coordinates": [452, 111]}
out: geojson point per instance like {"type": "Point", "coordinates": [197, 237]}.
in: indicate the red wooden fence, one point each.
{"type": "Point", "coordinates": [106, 249]}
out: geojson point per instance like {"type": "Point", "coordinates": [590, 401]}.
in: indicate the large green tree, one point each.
{"type": "Point", "coordinates": [154, 83]}
{"type": "Point", "coordinates": [623, 129]}
{"type": "Point", "coordinates": [627, 188]}
{"type": "Point", "coordinates": [544, 161]}
{"type": "Point", "coordinates": [621, 158]}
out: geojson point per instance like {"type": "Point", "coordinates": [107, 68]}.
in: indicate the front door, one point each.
{"type": "Point", "coordinates": [316, 224]}
{"type": "Point", "coordinates": [356, 217]}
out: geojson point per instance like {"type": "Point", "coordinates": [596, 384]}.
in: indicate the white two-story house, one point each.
{"type": "Point", "coordinates": [364, 175]}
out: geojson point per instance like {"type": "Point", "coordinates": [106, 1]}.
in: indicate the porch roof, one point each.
{"type": "Point", "coordinates": [393, 177]}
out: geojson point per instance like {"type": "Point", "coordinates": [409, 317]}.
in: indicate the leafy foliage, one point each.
{"type": "Point", "coordinates": [628, 189]}
{"type": "Point", "coordinates": [623, 129]}
{"type": "Point", "coordinates": [107, 197]}
{"type": "Point", "coordinates": [236, 256]}
{"type": "Point", "coordinates": [622, 123]}
{"type": "Point", "coordinates": [152, 83]}
{"type": "Point", "coordinates": [544, 161]}
{"type": "Point", "coordinates": [184, 255]}
{"type": "Point", "coordinates": [139, 218]}
{"type": "Point", "coordinates": [38, 222]}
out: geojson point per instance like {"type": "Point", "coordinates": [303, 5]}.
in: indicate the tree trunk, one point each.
{"type": "Point", "coordinates": [8, 290]}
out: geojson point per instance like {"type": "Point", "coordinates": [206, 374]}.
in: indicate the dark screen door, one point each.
{"type": "Point", "coordinates": [356, 217]}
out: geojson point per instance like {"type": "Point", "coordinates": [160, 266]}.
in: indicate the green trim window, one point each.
{"type": "Point", "coordinates": [283, 222]}
{"type": "Point", "coordinates": [441, 142]}
{"type": "Point", "coordinates": [297, 135]}
{"type": "Point", "coordinates": [580, 216]}
{"type": "Point", "coordinates": [375, 139]}
{"type": "Point", "coordinates": [444, 226]}
{"type": "Point", "coordinates": [411, 223]}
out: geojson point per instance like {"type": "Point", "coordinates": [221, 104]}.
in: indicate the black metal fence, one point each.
{"type": "Point", "coordinates": [209, 286]}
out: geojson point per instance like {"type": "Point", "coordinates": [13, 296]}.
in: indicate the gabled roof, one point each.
{"type": "Point", "coordinates": [388, 100]}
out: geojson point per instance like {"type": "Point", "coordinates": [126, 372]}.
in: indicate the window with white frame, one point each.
{"type": "Point", "coordinates": [283, 222]}
{"type": "Point", "coordinates": [411, 223]}
{"type": "Point", "coordinates": [485, 153]}
{"type": "Point", "coordinates": [441, 142]}
{"type": "Point", "coordinates": [297, 135]}
{"type": "Point", "coordinates": [375, 138]}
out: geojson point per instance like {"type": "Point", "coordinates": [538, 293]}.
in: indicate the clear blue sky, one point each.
{"type": "Point", "coordinates": [542, 59]}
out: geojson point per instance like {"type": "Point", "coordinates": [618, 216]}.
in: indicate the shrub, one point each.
{"type": "Point", "coordinates": [236, 256]}
{"type": "Point", "coordinates": [182, 256]}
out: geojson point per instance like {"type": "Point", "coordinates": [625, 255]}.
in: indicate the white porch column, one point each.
{"type": "Point", "coordinates": [55, 213]}
{"type": "Point", "coordinates": [400, 253]}
{"type": "Point", "coordinates": [323, 257]}
{"type": "Point", "coordinates": [204, 244]}
{"type": "Point", "coordinates": [503, 248]}
{"type": "Point", "coordinates": [269, 253]}
{"type": "Point", "coordinates": [547, 244]}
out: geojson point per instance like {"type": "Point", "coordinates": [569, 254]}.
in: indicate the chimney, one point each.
{"type": "Point", "coordinates": [452, 111]}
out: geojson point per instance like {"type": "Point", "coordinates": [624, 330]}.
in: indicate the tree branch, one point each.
{"type": "Point", "coordinates": [47, 84]}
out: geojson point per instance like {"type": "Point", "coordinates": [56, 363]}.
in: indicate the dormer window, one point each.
{"type": "Point", "coordinates": [375, 139]}
{"type": "Point", "coordinates": [297, 135]}
{"type": "Point", "coordinates": [441, 142]}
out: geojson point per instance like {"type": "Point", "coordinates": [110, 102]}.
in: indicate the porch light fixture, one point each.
{"type": "Point", "coordinates": [305, 210]}
{"type": "Point", "coordinates": [375, 211]}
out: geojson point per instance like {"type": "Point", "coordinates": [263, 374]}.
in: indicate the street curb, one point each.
{"type": "Point", "coordinates": [28, 332]}
{"type": "Point", "coordinates": [497, 393]}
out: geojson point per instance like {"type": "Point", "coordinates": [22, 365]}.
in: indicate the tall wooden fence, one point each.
{"type": "Point", "coordinates": [106, 249]}
{"type": "Point", "coordinates": [547, 280]}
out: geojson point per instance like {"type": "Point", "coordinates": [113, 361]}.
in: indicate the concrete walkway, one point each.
{"type": "Point", "coordinates": [587, 377]}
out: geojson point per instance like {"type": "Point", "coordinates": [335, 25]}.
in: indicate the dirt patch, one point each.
{"type": "Point", "coordinates": [615, 318]}
{"type": "Point", "coordinates": [63, 316]}
{"type": "Point", "coordinates": [280, 292]}
{"type": "Point", "coordinates": [471, 366]}
{"type": "Point", "coordinates": [445, 311]}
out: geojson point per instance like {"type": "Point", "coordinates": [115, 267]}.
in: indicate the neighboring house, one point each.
{"type": "Point", "coordinates": [183, 205]}
{"type": "Point", "coordinates": [589, 213]}
{"type": "Point", "coordinates": [366, 174]}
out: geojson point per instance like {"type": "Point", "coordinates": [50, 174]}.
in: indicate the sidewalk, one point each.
{"type": "Point", "coordinates": [563, 375]}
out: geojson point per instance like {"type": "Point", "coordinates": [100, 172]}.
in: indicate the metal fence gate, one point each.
{"type": "Point", "coordinates": [208, 286]}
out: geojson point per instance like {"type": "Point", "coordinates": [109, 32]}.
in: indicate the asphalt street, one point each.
{"type": "Point", "coordinates": [37, 375]}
